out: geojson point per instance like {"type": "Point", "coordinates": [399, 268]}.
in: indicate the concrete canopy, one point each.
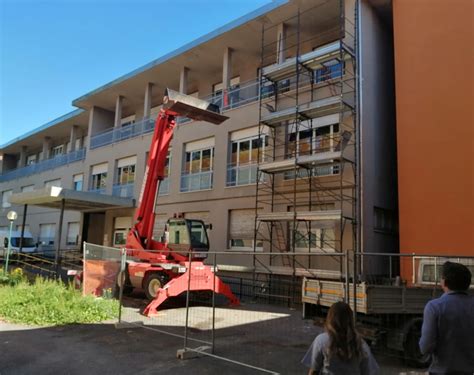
{"type": "Point", "coordinates": [53, 196]}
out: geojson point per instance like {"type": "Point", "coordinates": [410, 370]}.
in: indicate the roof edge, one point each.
{"type": "Point", "coordinates": [205, 38]}
{"type": "Point", "coordinates": [56, 121]}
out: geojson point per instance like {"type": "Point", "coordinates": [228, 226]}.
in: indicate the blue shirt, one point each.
{"type": "Point", "coordinates": [448, 333]}
{"type": "Point", "coordinates": [318, 359]}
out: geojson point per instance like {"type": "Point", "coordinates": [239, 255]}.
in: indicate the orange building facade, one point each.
{"type": "Point", "coordinates": [433, 42]}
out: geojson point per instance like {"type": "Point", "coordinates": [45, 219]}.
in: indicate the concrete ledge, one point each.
{"type": "Point", "coordinates": [189, 354]}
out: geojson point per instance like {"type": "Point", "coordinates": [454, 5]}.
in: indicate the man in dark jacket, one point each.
{"type": "Point", "coordinates": [448, 324]}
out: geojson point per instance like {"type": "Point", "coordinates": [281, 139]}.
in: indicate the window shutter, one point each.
{"type": "Point", "coordinates": [131, 160]}
{"type": "Point", "coordinates": [242, 223]}
{"type": "Point", "coordinates": [100, 168]}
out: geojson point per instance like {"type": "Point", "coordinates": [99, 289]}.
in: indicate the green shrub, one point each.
{"type": "Point", "coordinates": [50, 302]}
{"type": "Point", "coordinates": [12, 278]}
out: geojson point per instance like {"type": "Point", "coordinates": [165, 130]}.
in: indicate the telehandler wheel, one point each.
{"type": "Point", "coordinates": [127, 286]}
{"type": "Point", "coordinates": [152, 282]}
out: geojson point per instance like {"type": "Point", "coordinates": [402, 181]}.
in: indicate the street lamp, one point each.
{"type": "Point", "coordinates": [11, 216]}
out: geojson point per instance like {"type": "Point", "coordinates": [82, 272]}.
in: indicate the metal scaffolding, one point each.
{"type": "Point", "coordinates": [307, 175]}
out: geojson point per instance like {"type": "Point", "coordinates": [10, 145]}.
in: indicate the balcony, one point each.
{"type": "Point", "coordinates": [241, 175]}
{"type": "Point", "coordinates": [44, 165]}
{"type": "Point", "coordinates": [196, 181]}
{"type": "Point", "coordinates": [115, 135]}
{"type": "Point", "coordinates": [123, 190]}
{"type": "Point", "coordinates": [101, 190]}
{"type": "Point", "coordinates": [164, 187]}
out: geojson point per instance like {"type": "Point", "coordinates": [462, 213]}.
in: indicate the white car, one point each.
{"type": "Point", "coordinates": [29, 244]}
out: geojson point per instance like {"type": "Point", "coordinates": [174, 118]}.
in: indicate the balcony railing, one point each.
{"type": "Point", "coordinates": [164, 187]}
{"type": "Point", "coordinates": [44, 165]}
{"type": "Point", "coordinates": [115, 135]}
{"type": "Point", "coordinates": [98, 190]}
{"type": "Point", "coordinates": [196, 181]}
{"type": "Point", "coordinates": [241, 174]}
{"type": "Point", "coordinates": [123, 190]}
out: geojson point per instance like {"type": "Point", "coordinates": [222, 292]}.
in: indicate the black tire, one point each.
{"type": "Point", "coordinates": [152, 282]}
{"type": "Point", "coordinates": [127, 287]}
{"type": "Point", "coordinates": [412, 354]}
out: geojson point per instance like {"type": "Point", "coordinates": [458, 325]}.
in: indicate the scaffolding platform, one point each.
{"type": "Point", "coordinates": [311, 60]}
{"type": "Point", "coordinates": [320, 219]}
{"type": "Point", "coordinates": [319, 159]}
{"type": "Point", "coordinates": [316, 108]}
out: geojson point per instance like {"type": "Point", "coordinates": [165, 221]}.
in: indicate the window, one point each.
{"type": "Point", "coordinates": [198, 165]}
{"type": "Point", "coordinates": [72, 237]}
{"type": "Point", "coordinates": [228, 98]}
{"type": "Point", "coordinates": [77, 182]}
{"type": "Point", "coordinates": [330, 70]}
{"type": "Point", "coordinates": [79, 143]}
{"type": "Point", "coordinates": [6, 198]}
{"type": "Point", "coordinates": [244, 150]}
{"type": "Point", "coordinates": [126, 121]}
{"type": "Point", "coordinates": [314, 136]}
{"type": "Point", "coordinates": [47, 234]}
{"type": "Point", "coordinates": [99, 178]}
{"type": "Point", "coordinates": [31, 159]}
{"type": "Point", "coordinates": [126, 170]}
{"type": "Point", "coordinates": [312, 239]}
{"type": "Point", "coordinates": [58, 150]}
{"type": "Point", "coordinates": [385, 220]}
{"type": "Point", "coordinates": [165, 183]}
{"type": "Point", "coordinates": [28, 188]}
{"type": "Point", "coordinates": [51, 183]}
{"type": "Point", "coordinates": [241, 230]}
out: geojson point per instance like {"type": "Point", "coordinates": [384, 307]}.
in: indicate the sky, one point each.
{"type": "Point", "coordinates": [54, 51]}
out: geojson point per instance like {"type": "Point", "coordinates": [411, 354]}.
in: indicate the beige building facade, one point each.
{"type": "Point", "coordinates": [217, 173]}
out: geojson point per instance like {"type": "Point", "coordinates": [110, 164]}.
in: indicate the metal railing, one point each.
{"type": "Point", "coordinates": [196, 181]}
{"type": "Point", "coordinates": [115, 135]}
{"type": "Point", "coordinates": [123, 190]}
{"type": "Point", "coordinates": [44, 165]}
{"type": "Point", "coordinates": [241, 174]}
{"type": "Point", "coordinates": [164, 187]}
{"type": "Point", "coordinates": [98, 190]}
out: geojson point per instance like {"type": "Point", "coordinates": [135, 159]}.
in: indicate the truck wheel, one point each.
{"type": "Point", "coordinates": [127, 287]}
{"type": "Point", "coordinates": [153, 282]}
{"type": "Point", "coordinates": [413, 356]}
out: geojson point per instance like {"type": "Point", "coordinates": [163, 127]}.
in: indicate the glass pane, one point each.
{"type": "Point", "coordinates": [256, 144]}
{"type": "Point", "coordinates": [244, 152]}
{"type": "Point", "coordinates": [198, 234]}
{"type": "Point", "coordinates": [244, 176]}
{"type": "Point", "coordinates": [195, 161]}
{"type": "Point", "coordinates": [233, 157]}
{"type": "Point", "coordinates": [206, 160]}
{"type": "Point", "coordinates": [305, 142]}
{"type": "Point", "coordinates": [187, 166]}
{"type": "Point", "coordinates": [178, 233]}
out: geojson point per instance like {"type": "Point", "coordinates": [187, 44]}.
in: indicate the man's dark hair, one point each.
{"type": "Point", "coordinates": [456, 276]}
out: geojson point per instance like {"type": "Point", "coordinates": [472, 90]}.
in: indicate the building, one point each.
{"type": "Point", "coordinates": [304, 137]}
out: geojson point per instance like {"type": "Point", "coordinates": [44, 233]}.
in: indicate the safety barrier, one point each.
{"type": "Point", "coordinates": [267, 331]}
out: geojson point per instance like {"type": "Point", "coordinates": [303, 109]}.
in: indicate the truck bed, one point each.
{"type": "Point", "coordinates": [371, 299]}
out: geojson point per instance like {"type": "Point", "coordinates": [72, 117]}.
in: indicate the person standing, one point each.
{"type": "Point", "coordinates": [448, 324]}
{"type": "Point", "coordinates": [340, 350]}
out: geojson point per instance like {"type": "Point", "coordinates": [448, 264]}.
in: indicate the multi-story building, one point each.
{"type": "Point", "coordinates": [301, 126]}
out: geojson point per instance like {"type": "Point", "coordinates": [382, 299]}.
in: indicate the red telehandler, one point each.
{"type": "Point", "coordinates": [163, 268]}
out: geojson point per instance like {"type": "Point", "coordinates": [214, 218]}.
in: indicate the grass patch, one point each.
{"type": "Point", "coordinates": [50, 302]}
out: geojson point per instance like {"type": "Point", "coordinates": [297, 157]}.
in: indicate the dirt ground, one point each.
{"type": "Point", "coordinates": [273, 338]}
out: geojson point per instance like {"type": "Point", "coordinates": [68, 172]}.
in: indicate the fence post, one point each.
{"type": "Point", "coordinates": [187, 301]}
{"type": "Point", "coordinates": [123, 262]}
{"type": "Point", "coordinates": [214, 304]}
{"type": "Point", "coordinates": [347, 277]}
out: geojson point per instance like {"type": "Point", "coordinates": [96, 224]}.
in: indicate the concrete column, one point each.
{"type": "Point", "coordinates": [281, 43]}
{"type": "Point", "coordinates": [227, 69]}
{"type": "Point", "coordinates": [183, 80]}
{"type": "Point", "coordinates": [46, 147]}
{"type": "Point", "coordinates": [22, 160]}
{"type": "Point", "coordinates": [74, 135]}
{"type": "Point", "coordinates": [118, 111]}
{"type": "Point", "coordinates": [147, 104]}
